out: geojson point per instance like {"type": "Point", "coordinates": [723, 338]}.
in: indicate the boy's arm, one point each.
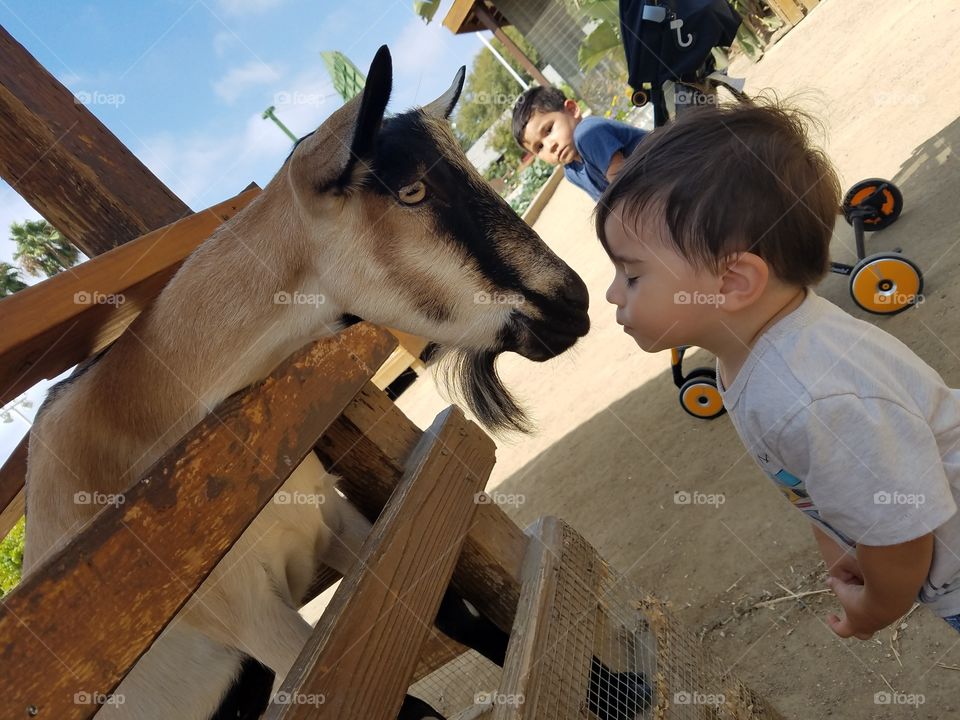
{"type": "Point", "coordinates": [856, 456]}
{"type": "Point", "coordinates": [892, 577]}
{"type": "Point", "coordinates": [616, 162]}
{"type": "Point", "coordinates": [840, 563]}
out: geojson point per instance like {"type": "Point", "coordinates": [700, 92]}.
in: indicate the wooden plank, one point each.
{"type": "Point", "coordinates": [12, 473]}
{"type": "Point", "coordinates": [437, 650]}
{"type": "Point", "coordinates": [63, 320]}
{"type": "Point", "coordinates": [361, 657]}
{"type": "Point", "coordinates": [809, 4]}
{"type": "Point", "coordinates": [786, 10]}
{"type": "Point", "coordinates": [368, 447]}
{"type": "Point", "coordinates": [68, 165]}
{"type": "Point", "coordinates": [528, 639]}
{"type": "Point", "coordinates": [413, 344]}
{"type": "Point", "coordinates": [393, 368]}
{"type": "Point", "coordinates": [83, 618]}
{"type": "Point", "coordinates": [12, 512]}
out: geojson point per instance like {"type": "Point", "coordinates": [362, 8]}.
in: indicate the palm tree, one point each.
{"type": "Point", "coordinates": [41, 248]}
{"type": "Point", "coordinates": [10, 280]}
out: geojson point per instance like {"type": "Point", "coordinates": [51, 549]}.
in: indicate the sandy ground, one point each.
{"type": "Point", "coordinates": [614, 446]}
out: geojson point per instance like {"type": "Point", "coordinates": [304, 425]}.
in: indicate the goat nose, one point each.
{"type": "Point", "coordinates": [575, 293]}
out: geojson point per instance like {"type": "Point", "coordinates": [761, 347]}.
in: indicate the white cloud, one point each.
{"type": "Point", "coordinates": [208, 166]}
{"type": "Point", "coordinates": [223, 41]}
{"type": "Point", "coordinates": [245, 7]}
{"type": "Point", "coordinates": [240, 79]}
{"type": "Point", "coordinates": [421, 61]}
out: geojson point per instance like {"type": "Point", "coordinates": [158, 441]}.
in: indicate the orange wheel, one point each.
{"type": "Point", "coordinates": [639, 98]}
{"type": "Point", "coordinates": [887, 207]}
{"type": "Point", "coordinates": [700, 397]}
{"type": "Point", "coordinates": [886, 283]}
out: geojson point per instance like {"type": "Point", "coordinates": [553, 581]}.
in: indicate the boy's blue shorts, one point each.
{"type": "Point", "coordinates": [954, 622]}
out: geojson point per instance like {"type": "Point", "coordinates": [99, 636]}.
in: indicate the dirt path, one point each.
{"type": "Point", "coordinates": [614, 445]}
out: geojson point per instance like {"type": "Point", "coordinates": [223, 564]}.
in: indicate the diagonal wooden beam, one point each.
{"type": "Point", "coordinates": [68, 165]}
{"type": "Point", "coordinates": [63, 320]}
{"type": "Point", "coordinates": [79, 621]}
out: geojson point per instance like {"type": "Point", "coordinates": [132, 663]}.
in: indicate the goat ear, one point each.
{"type": "Point", "coordinates": [376, 93]}
{"type": "Point", "coordinates": [443, 105]}
{"type": "Point", "coordinates": [328, 157]}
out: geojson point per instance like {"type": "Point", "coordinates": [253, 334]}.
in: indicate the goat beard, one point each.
{"type": "Point", "coordinates": [471, 375]}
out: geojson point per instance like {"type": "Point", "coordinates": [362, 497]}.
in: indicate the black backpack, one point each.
{"type": "Point", "coordinates": [671, 39]}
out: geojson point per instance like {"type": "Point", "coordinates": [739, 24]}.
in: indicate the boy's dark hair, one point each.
{"type": "Point", "coordinates": [539, 98]}
{"type": "Point", "coordinates": [733, 179]}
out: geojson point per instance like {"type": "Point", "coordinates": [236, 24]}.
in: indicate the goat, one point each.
{"type": "Point", "coordinates": [369, 217]}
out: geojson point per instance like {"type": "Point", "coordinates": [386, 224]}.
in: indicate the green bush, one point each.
{"type": "Point", "coordinates": [531, 180]}
{"type": "Point", "coordinates": [11, 558]}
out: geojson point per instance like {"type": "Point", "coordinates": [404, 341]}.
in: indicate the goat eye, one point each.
{"type": "Point", "coordinates": [413, 193]}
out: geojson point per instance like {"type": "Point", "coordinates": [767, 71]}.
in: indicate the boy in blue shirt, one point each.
{"type": "Point", "coordinates": [591, 150]}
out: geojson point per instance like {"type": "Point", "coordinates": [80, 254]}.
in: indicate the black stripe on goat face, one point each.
{"type": "Point", "coordinates": [465, 210]}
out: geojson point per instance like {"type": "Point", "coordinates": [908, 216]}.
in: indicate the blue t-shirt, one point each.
{"type": "Point", "coordinates": [597, 139]}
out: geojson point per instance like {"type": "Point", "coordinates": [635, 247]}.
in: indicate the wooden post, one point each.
{"type": "Point", "coordinates": [528, 639]}
{"type": "Point", "coordinates": [68, 165]}
{"type": "Point", "coordinates": [368, 448]}
{"type": "Point", "coordinates": [786, 10]}
{"type": "Point", "coordinates": [361, 657]}
{"type": "Point", "coordinates": [12, 476]}
{"type": "Point", "coordinates": [518, 54]}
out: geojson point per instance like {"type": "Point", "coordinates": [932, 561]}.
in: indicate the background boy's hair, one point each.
{"type": "Point", "coordinates": [733, 179]}
{"type": "Point", "coordinates": [542, 99]}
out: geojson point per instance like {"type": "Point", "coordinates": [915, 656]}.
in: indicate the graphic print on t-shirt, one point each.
{"type": "Point", "coordinates": [796, 492]}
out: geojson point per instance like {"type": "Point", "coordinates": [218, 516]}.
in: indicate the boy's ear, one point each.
{"type": "Point", "coordinates": [743, 279]}
{"type": "Point", "coordinates": [571, 107]}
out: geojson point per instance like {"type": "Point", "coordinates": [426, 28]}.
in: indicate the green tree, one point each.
{"type": "Point", "coordinates": [41, 249]}
{"type": "Point", "coordinates": [11, 558]}
{"type": "Point", "coordinates": [490, 89]}
{"type": "Point", "coordinates": [10, 279]}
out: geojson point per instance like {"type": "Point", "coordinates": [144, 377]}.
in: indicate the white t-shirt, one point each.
{"type": "Point", "coordinates": [858, 432]}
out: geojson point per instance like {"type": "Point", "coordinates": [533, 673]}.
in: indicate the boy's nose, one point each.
{"type": "Point", "coordinates": [611, 294]}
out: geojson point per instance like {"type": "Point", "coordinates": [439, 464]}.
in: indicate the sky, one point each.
{"type": "Point", "coordinates": [183, 83]}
